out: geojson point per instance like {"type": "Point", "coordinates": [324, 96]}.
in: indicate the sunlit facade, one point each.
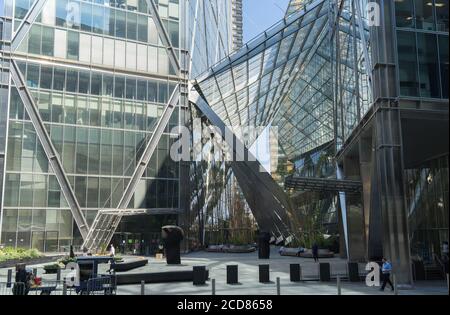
{"type": "Point", "coordinates": [361, 101]}
{"type": "Point", "coordinates": [101, 77]}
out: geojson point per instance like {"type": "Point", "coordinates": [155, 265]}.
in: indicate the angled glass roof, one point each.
{"type": "Point", "coordinates": [271, 78]}
{"type": "Point", "coordinates": [291, 75]}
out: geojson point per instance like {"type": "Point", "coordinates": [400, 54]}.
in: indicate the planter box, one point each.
{"type": "Point", "coordinates": [33, 261]}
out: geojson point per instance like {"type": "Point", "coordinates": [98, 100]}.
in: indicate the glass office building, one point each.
{"type": "Point", "coordinates": [371, 79]}
{"type": "Point", "coordinates": [101, 77]}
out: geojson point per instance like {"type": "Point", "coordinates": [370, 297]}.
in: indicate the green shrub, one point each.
{"type": "Point", "coordinates": [9, 253]}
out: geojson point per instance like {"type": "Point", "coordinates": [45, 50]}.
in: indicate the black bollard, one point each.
{"type": "Point", "coordinates": [295, 271]}
{"type": "Point", "coordinates": [325, 273]}
{"type": "Point", "coordinates": [232, 274]}
{"type": "Point", "coordinates": [264, 274]}
{"type": "Point", "coordinates": [353, 272]}
{"type": "Point", "coordinates": [199, 275]}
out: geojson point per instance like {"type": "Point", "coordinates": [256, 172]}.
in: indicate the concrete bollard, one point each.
{"type": "Point", "coordinates": [142, 287]}
{"type": "Point", "coordinates": [213, 287]}
{"type": "Point", "coordinates": [338, 281]}
{"type": "Point", "coordinates": [278, 286]}
{"type": "Point", "coordinates": [9, 279]}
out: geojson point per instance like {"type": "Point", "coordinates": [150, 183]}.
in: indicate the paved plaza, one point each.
{"type": "Point", "coordinates": [248, 277]}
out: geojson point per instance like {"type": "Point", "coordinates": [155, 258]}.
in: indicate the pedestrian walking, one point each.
{"type": "Point", "coordinates": [386, 270]}
{"type": "Point", "coordinates": [315, 252]}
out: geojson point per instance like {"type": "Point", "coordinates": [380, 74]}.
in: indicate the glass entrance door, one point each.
{"type": "Point", "coordinates": [37, 240]}
{"type": "Point", "coordinates": [51, 241]}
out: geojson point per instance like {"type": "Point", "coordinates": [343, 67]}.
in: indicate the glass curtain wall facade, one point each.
{"type": "Point", "coordinates": [327, 74]}
{"type": "Point", "coordinates": [101, 78]}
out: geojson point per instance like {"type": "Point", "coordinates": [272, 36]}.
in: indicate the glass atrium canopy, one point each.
{"type": "Point", "coordinates": [281, 78]}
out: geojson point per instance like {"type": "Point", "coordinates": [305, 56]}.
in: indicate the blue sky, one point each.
{"type": "Point", "coordinates": [259, 15]}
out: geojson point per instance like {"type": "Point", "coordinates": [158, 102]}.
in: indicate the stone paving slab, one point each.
{"type": "Point", "coordinates": [248, 277]}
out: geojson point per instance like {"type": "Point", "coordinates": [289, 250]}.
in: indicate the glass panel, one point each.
{"type": "Point", "coordinates": [424, 14]}
{"type": "Point", "coordinates": [409, 83]}
{"type": "Point", "coordinates": [443, 51]}
{"type": "Point", "coordinates": [428, 65]}
{"type": "Point", "coordinates": [442, 15]}
{"type": "Point", "coordinates": [73, 41]}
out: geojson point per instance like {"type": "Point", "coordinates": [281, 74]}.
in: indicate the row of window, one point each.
{"type": "Point", "coordinates": [95, 83]}
{"type": "Point", "coordinates": [88, 151]}
{"type": "Point", "coordinates": [99, 19]}
{"type": "Point", "coordinates": [47, 41]}
{"type": "Point", "coordinates": [423, 64]}
{"type": "Point", "coordinates": [30, 227]}
{"type": "Point", "coordinates": [423, 14]}
{"type": "Point", "coordinates": [42, 191]}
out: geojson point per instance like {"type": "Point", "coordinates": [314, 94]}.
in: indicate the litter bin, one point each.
{"type": "Point", "coordinates": [264, 245]}
{"type": "Point", "coordinates": [171, 238]}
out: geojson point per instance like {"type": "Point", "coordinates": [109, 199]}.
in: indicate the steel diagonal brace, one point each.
{"type": "Point", "coordinates": [26, 24]}
{"type": "Point", "coordinates": [362, 35]}
{"type": "Point", "coordinates": [268, 202]}
{"type": "Point", "coordinates": [164, 36]}
{"type": "Point", "coordinates": [93, 236]}
{"type": "Point", "coordinates": [33, 112]}
{"type": "Point", "coordinates": [49, 149]}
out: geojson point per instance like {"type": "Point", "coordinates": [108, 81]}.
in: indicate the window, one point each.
{"type": "Point", "coordinates": [120, 26]}
{"type": "Point", "coordinates": [131, 89]}
{"type": "Point", "coordinates": [33, 75]}
{"type": "Point", "coordinates": [72, 81]}
{"type": "Point", "coordinates": [96, 84]}
{"type": "Point", "coordinates": [34, 42]}
{"type": "Point", "coordinates": [86, 17]}
{"type": "Point", "coordinates": [142, 28]}
{"type": "Point", "coordinates": [61, 12]}
{"type": "Point", "coordinates": [59, 79]}
{"type": "Point", "coordinates": [84, 83]}
{"type": "Point", "coordinates": [108, 85]}
{"type": "Point", "coordinates": [424, 14]}
{"type": "Point", "coordinates": [48, 38]}
{"type": "Point", "coordinates": [152, 91]}
{"type": "Point", "coordinates": [443, 51]}
{"type": "Point", "coordinates": [119, 87]}
{"type": "Point", "coordinates": [73, 42]}
{"type": "Point", "coordinates": [174, 33]}
{"type": "Point", "coordinates": [21, 8]}
{"type": "Point", "coordinates": [407, 58]}
{"type": "Point", "coordinates": [404, 12]}
{"type": "Point", "coordinates": [131, 26]}
{"type": "Point", "coordinates": [442, 15]}
{"type": "Point", "coordinates": [98, 21]}
{"type": "Point", "coordinates": [428, 65]}
{"type": "Point", "coordinates": [46, 77]}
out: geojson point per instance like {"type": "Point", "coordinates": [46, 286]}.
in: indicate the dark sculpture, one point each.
{"type": "Point", "coordinates": [171, 238]}
{"type": "Point", "coordinates": [264, 245]}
